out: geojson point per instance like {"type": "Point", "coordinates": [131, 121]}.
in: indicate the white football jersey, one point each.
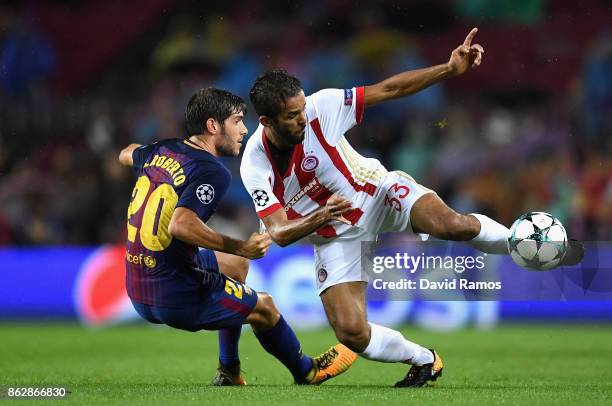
{"type": "Point", "coordinates": [322, 164]}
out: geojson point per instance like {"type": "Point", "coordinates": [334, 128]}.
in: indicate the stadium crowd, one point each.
{"type": "Point", "coordinates": [502, 143]}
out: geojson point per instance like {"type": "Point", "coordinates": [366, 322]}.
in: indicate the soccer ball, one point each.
{"type": "Point", "coordinates": [538, 241]}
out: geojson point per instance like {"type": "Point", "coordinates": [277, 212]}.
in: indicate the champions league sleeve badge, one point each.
{"type": "Point", "coordinates": [260, 197]}
{"type": "Point", "coordinates": [205, 193]}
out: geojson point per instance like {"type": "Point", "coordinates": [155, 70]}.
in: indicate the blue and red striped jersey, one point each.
{"type": "Point", "coordinates": [162, 270]}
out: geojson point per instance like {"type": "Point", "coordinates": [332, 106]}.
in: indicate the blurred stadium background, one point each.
{"type": "Point", "coordinates": [531, 129]}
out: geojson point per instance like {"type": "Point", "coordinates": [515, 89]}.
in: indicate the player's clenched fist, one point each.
{"type": "Point", "coordinates": [256, 246]}
{"type": "Point", "coordinates": [337, 205]}
{"type": "Point", "coordinates": [466, 55]}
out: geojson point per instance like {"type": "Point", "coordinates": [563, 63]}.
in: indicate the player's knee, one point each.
{"type": "Point", "coordinates": [267, 303]}
{"type": "Point", "coordinates": [267, 310]}
{"type": "Point", "coordinates": [242, 269]}
{"type": "Point", "coordinates": [234, 266]}
{"type": "Point", "coordinates": [354, 334]}
{"type": "Point", "coordinates": [462, 227]}
{"type": "Point", "coordinates": [455, 227]}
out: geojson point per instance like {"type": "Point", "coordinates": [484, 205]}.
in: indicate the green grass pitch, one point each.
{"type": "Point", "coordinates": [138, 364]}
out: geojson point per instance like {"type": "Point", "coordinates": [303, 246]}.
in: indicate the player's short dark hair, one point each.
{"type": "Point", "coordinates": [208, 103]}
{"type": "Point", "coordinates": [271, 90]}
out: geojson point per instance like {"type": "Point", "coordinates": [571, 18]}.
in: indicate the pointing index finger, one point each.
{"type": "Point", "coordinates": [470, 37]}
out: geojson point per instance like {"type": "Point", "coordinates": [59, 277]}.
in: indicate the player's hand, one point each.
{"type": "Point", "coordinates": [466, 55]}
{"type": "Point", "coordinates": [336, 206]}
{"type": "Point", "coordinates": [256, 246]}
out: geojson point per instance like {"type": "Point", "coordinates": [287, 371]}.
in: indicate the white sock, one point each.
{"type": "Point", "coordinates": [493, 237]}
{"type": "Point", "coordinates": [388, 345]}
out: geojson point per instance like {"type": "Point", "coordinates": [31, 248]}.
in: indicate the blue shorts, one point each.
{"type": "Point", "coordinates": [224, 303]}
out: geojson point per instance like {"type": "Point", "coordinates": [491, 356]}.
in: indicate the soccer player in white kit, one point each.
{"type": "Point", "coordinates": [306, 180]}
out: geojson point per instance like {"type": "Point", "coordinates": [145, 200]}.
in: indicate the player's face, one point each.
{"type": "Point", "coordinates": [230, 141]}
{"type": "Point", "coordinates": [290, 124]}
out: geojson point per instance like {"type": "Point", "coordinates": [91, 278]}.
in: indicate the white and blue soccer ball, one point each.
{"type": "Point", "coordinates": [538, 241]}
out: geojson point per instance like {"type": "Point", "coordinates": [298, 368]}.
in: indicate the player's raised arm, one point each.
{"type": "Point", "coordinates": [284, 231]}
{"type": "Point", "coordinates": [188, 227]}
{"type": "Point", "coordinates": [125, 156]}
{"type": "Point", "coordinates": [465, 56]}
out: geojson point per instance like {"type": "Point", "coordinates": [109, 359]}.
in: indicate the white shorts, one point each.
{"type": "Point", "coordinates": [338, 260]}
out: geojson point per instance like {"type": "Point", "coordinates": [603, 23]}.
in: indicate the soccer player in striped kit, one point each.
{"type": "Point", "coordinates": [180, 184]}
{"type": "Point", "coordinates": [298, 161]}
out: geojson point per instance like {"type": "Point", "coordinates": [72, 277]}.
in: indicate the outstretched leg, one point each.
{"type": "Point", "coordinates": [278, 339]}
{"type": "Point", "coordinates": [229, 303]}
{"type": "Point", "coordinates": [345, 307]}
{"type": "Point", "coordinates": [430, 215]}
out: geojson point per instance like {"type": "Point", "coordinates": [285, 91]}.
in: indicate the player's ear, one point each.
{"type": "Point", "coordinates": [211, 125]}
{"type": "Point", "coordinates": [265, 121]}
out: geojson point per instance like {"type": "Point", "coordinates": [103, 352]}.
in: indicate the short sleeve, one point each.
{"type": "Point", "coordinates": [338, 110]}
{"type": "Point", "coordinates": [140, 155]}
{"type": "Point", "coordinates": [256, 173]}
{"type": "Point", "coordinates": [205, 191]}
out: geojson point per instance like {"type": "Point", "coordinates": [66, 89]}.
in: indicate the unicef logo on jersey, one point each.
{"type": "Point", "coordinates": [205, 193]}
{"type": "Point", "coordinates": [310, 163]}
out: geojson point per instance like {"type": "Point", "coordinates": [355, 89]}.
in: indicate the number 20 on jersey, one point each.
{"type": "Point", "coordinates": [158, 208]}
